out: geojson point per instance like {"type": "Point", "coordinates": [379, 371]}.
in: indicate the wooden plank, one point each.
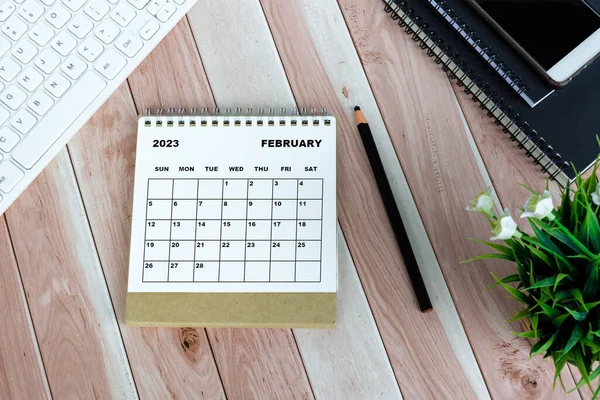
{"type": "Point", "coordinates": [337, 53]}
{"type": "Point", "coordinates": [365, 371]}
{"type": "Point", "coordinates": [75, 323]}
{"type": "Point", "coordinates": [331, 376]}
{"type": "Point", "coordinates": [504, 159]}
{"type": "Point", "coordinates": [22, 374]}
{"type": "Point", "coordinates": [160, 82]}
{"type": "Point", "coordinates": [433, 149]}
{"type": "Point", "coordinates": [249, 15]}
{"type": "Point", "coordinates": [103, 154]}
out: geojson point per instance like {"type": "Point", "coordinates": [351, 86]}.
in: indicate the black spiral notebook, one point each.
{"type": "Point", "coordinates": [558, 132]}
{"type": "Point", "coordinates": [498, 54]}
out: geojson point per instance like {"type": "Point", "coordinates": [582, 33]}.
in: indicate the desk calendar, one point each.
{"type": "Point", "coordinates": [226, 205]}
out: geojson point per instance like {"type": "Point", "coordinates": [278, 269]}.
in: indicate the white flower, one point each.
{"type": "Point", "coordinates": [505, 227]}
{"type": "Point", "coordinates": [596, 195]}
{"type": "Point", "coordinates": [483, 202]}
{"type": "Point", "coordinates": [539, 207]}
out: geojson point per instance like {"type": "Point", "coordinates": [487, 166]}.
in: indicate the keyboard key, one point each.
{"type": "Point", "coordinates": [58, 16]}
{"type": "Point", "coordinates": [39, 140]}
{"type": "Point", "coordinates": [149, 30]}
{"type": "Point", "coordinates": [166, 12]}
{"type": "Point", "coordinates": [6, 9]}
{"type": "Point", "coordinates": [57, 85]}
{"type": "Point", "coordinates": [40, 103]}
{"type": "Point", "coordinates": [123, 14]}
{"type": "Point", "coordinates": [128, 44]}
{"type": "Point", "coordinates": [110, 63]}
{"type": "Point", "coordinates": [155, 5]}
{"type": "Point", "coordinates": [90, 49]}
{"type": "Point", "coordinates": [180, 2]}
{"type": "Point", "coordinates": [74, 67]}
{"type": "Point", "coordinates": [4, 46]}
{"type": "Point", "coordinates": [48, 2]}
{"type": "Point", "coordinates": [31, 11]}
{"type": "Point", "coordinates": [14, 28]}
{"type": "Point", "coordinates": [41, 33]}
{"type": "Point", "coordinates": [9, 69]}
{"type": "Point", "coordinates": [96, 9]}
{"type": "Point", "coordinates": [74, 5]}
{"type": "Point", "coordinates": [107, 31]}
{"type": "Point", "coordinates": [23, 121]}
{"type": "Point", "coordinates": [8, 139]}
{"type": "Point", "coordinates": [3, 115]}
{"type": "Point", "coordinates": [80, 26]}
{"type": "Point", "coordinates": [19, 1]}
{"type": "Point", "coordinates": [47, 61]}
{"type": "Point", "coordinates": [64, 43]}
{"type": "Point", "coordinates": [139, 4]}
{"type": "Point", "coordinates": [30, 79]}
{"type": "Point", "coordinates": [10, 175]}
{"type": "Point", "coordinates": [25, 51]}
{"type": "Point", "coordinates": [13, 97]}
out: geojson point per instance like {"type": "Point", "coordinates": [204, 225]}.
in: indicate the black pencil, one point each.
{"type": "Point", "coordinates": [392, 211]}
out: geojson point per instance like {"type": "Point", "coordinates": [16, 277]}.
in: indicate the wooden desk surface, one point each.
{"type": "Point", "coordinates": [64, 244]}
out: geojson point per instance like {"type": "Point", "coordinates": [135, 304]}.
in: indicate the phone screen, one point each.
{"type": "Point", "coordinates": [547, 30]}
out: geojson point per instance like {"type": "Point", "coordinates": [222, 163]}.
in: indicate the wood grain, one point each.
{"type": "Point", "coordinates": [331, 39]}
{"type": "Point", "coordinates": [509, 166]}
{"type": "Point", "coordinates": [163, 78]}
{"type": "Point", "coordinates": [104, 151]}
{"type": "Point", "coordinates": [70, 306]}
{"type": "Point", "coordinates": [329, 373]}
{"type": "Point", "coordinates": [429, 138]}
{"type": "Point", "coordinates": [19, 352]}
{"type": "Point", "coordinates": [366, 227]}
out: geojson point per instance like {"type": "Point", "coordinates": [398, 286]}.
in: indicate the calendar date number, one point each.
{"type": "Point", "coordinates": [165, 143]}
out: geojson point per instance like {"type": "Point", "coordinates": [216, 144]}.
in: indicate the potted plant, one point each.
{"type": "Point", "coordinates": [557, 269]}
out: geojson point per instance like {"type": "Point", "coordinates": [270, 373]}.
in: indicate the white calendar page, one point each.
{"type": "Point", "coordinates": [235, 208]}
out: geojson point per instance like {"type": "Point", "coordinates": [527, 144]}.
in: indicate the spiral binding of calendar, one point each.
{"type": "Point", "coordinates": [236, 118]}
{"type": "Point", "coordinates": [527, 138]}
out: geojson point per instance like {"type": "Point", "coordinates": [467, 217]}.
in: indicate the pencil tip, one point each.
{"type": "Point", "coordinates": [356, 108]}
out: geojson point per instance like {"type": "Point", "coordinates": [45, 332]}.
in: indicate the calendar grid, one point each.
{"type": "Point", "coordinates": [145, 231]}
{"type": "Point", "coordinates": [271, 230]}
{"type": "Point", "coordinates": [220, 228]}
{"type": "Point", "coordinates": [170, 231]}
{"type": "Point", "coordinates": [195, 231]}
{"type": "Point", "coordinates": [261, 236]}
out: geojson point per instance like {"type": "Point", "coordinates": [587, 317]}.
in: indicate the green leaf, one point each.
{"type": "Point", "coordinates": [563, 235]}
{"type": "Point", "coordinates": [520, 315]}
{"type": "Point", "coordinates": [541, 346]}
{"type": "Point", "coordinates": [507, 279]}
{"type": "Point", "coordinates": [577, 295]}
{"type": "Point", "coordinates": [490, 255]}
{"type": "Point", "coordinates": [528, 334]}
{"type": "Point", "coordinates": [551, 281]}
{"type": "Point", "coordinates": [547, 244]}
{"type": "Point", "coordinates": [559, 364]}
{"type": "Point", "coordinates": [559, 278]}
{"type": "Point", "coordinates": [498, 247]}
{"type": "Point", "coordinates": [590, 230]}
{"type": "Point", "coordinates": [557, 322]}
{"type": "Point", "coordinates": [576, 335]}
{"type": "Point", "coordinates": [519, 296]}
{"type": "Point", "coordinates": [579, 316]}
{"type": "Point", "coordinates": [590, 289]}
{"type": "Point", "coordinates": [581, 366]}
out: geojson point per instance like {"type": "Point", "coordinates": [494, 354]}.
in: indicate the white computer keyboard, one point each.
{"type": "Point", "coordinates": [59, 61]}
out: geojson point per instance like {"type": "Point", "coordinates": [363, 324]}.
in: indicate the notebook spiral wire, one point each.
{"type": "Point", "coordinates": [236, 117]}
{"type": "Point", "coordinates": [527, 138]}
